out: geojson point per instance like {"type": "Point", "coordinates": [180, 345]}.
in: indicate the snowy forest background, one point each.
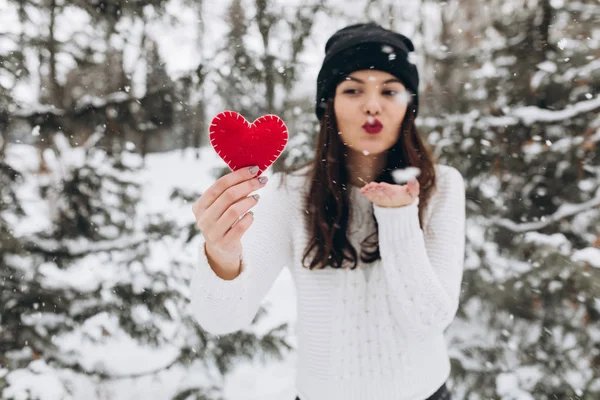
{"type": "Point", "coordinates": [103, 148]}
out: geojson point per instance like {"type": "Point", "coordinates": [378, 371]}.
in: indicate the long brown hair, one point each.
{"type": "Point", "coordinates": [327, 200]}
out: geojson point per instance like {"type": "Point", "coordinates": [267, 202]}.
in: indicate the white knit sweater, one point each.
{"type": "Point", "coordinates": [375, 332]}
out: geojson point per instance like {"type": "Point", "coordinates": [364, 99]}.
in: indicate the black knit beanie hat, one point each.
{"type": "Point", "coordinates": [365, 46]}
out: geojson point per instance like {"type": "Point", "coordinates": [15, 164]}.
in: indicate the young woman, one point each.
{"type": "Point", "coordinates": [377, 265]}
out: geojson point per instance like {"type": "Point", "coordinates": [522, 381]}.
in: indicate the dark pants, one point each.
{"type": "Point", "coordinates": [441, 394]}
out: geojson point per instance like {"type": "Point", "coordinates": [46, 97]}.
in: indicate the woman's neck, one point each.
{"type": "Point", "coordinates": [363, 169]}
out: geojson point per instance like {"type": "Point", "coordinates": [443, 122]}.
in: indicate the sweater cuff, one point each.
{"type": "Point", "coordinates": [215, 287]}
{"type": "Point", "coordinates": [398, 223]}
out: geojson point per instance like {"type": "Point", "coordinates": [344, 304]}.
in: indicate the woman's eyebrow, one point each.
{"type": "Point", "coordinates": [393, 80]}
{"type": "Point", "coordinates": [351, 78]}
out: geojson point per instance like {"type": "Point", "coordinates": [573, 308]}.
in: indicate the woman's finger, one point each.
{"type": "Point", "coordinates": [369, 186]}
{"type": "Point", "coordinates": [413, 187]}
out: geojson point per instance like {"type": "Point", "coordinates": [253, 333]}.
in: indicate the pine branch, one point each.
{"type": "Point", "coordinates": [582, 7]}
{"type": "Point", "coordinates": [66, 249]}
{"type": "Point", "coordinates": [531, 115]}
{"type": "Point", "coordinates": [581, 71]}
{"type": "Point", "coordinates": [179, 359]}
{"type": "Point", "coordinates": [525, 115]}
{"type": "Point", "coordinates": [84, 105]}
{"type": "Point", "coordinates": [199, 394]}
{"type": "Point", "coordinates": [565, 211]}
{"type": "Point", "coordinates": [77, 367]}
{"type": "Point", "coordinates": [74, 249]}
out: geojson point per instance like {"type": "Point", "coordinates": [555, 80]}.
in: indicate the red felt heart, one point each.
{"type": "Point", "coordinates": [242, 144]}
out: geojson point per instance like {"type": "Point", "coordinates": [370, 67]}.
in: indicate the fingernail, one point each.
{"type": "Point", "coordinates": [253, 170]}
{"type": "Point", "coordinates": [256, 196]}
{"type": "Point", "coordinates": [251, 213]}
{"type": "Point", "coordinates": [263, 179]}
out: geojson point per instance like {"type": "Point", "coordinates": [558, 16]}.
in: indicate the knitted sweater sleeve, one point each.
{"type": "Point", "coordinates": [423, 269]}
{"type": "Point", "coordinates": [225, 306]}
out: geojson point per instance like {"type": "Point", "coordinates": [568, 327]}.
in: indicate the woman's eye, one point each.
{"type": "Point", "coordinates": [351, 91]}
{"type": "Point", "coordinates": [390, 92]}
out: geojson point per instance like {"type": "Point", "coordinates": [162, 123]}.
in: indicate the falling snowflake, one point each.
{"type": "Point", "coordinates": [562, 43]}
{"type": "Point", "coordinates": [387, 49]}
{"type": "Point", "coordinates": [403, 97]}
{"type": "Point", "coordinates": [404, 175]}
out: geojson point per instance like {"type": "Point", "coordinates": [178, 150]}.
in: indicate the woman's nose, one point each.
{"type": "Point", "coordinates": [372, 105]}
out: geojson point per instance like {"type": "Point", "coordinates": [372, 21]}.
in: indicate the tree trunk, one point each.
{"type": "Point", "coordinates": [264, 26]}
{"type": "Point", "coordinates": [56, 89]}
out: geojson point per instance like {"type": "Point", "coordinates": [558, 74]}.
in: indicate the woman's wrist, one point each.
{"type": "Point", "coordinates": [227, 268]}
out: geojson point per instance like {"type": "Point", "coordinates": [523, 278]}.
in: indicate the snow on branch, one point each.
{"type": "Point", "coordinates": [580, 7]}
{"type": "Point", "coordinates": [526, 115]}
{"type": "Point", "coordinates": [79, 248]}
{"type": "Point", "coordinates": [565, 211]}
{"type": "Point", "coordinates": [583, 71]}
{"type": "Point", "coordinates": [530, 115]}
{"type": "Point", "coordinates": [85, 104]}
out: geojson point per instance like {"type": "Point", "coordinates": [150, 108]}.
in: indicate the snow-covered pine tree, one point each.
{"type": "Point", "coordinates": [103, 273]}
{"type": "Point", "coordinates": [524, 133]}
{"type": "Point", "coordinates": [10, 208]}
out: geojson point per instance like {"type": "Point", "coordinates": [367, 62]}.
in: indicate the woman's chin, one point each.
{"type": "Point", "coordinates": [369, 150]}
{"type": "Point", "coordinates": [369, 146]}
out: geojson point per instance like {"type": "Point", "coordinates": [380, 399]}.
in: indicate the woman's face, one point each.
{"type": "Point", "coordinates": [369, 107]}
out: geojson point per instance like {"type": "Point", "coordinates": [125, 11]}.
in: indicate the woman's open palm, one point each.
{"type": "Point", "coordinates": [390, 195]}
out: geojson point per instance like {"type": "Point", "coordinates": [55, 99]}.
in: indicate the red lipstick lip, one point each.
{"type": "Point", "coordinates": [375, 127]}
